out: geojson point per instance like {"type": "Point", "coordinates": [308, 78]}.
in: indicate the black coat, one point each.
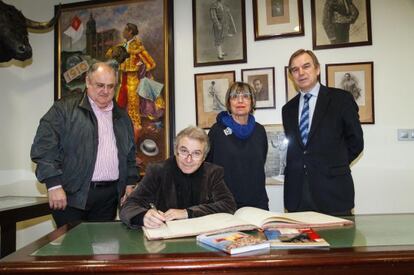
{"type": "Point", "coordinates": [335, 140]}
{"type": "Point", "coordinates": [158, 187]}
{"type": "Point", "coordinates": [66, 145]}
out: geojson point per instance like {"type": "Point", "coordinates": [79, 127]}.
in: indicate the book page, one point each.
{"type": "Point", "coordinates": [203, 225]}
{"type": "Point", "coordinates": [260, 217]}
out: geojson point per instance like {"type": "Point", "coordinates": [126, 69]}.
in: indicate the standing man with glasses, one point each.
{"type": "Point", "coordinates": [181, 187]}
{"type": "Point", "coordinates": [239, 144]}
{"type": "Point", "coordinates": [85, 152]}
{"type": "Point", "coordinates": [325, 136]}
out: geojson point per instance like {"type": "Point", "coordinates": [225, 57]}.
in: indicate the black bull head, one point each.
{"type": "Point", "coordinates": [14, 41]}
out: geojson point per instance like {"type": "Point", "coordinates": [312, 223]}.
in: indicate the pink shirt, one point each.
{"type": "Point", "coordinates": [106, 165]}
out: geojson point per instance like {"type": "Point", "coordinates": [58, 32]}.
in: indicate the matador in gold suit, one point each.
{"type": "Point", "coordinates": [137, 66]}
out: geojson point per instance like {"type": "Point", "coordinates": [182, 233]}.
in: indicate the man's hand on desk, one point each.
{"type": "Point", "coordinates": [154, 218]}
{"type": "Point", "coordinates": [57, 199]}
{"type": "Point", "coordinates": [176, 214]}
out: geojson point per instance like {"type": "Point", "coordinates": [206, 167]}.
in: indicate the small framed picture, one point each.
{"type": "Point", "coordinates": [358, 79]}
{"type": "Point", "coordinates": [345, 23]}
{"type": "Point", "coordinates": [263, 82]}
{"type": "Point", "coordinates": [291, 89]}
{"type": "Point", "coordinates": [210, 93]}
{"type": "Point", "coordinates": [276, 154]}
{"type": "Point", "coordinates": [219, 32]}
{"type": "Point", "coordinates": [277, 18]}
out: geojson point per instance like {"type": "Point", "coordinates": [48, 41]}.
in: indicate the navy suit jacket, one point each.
{"type": "Point", "coordinates": [335, 140]}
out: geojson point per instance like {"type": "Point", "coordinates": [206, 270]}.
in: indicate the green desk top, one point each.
{"type": "Point", "coordinates": [116, 238]}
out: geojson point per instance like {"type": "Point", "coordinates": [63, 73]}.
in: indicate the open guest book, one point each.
{"type": "Point", "coordinates": [245, 218]}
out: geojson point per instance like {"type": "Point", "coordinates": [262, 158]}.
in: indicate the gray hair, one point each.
{"type": "Point", "coordinates": [111, 63]}
{"type": "Point", "coordinates": [196, 133]}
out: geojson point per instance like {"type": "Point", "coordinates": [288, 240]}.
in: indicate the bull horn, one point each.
{"type": "Point", "coordinates": [43, 25]}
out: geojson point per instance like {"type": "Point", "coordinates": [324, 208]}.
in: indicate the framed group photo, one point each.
{"type": "Point", "coordinates": [358, 79]}
{"type": "Point", "coordinates": [91, 31]}
{"type": "Point", "coordinates": [263, 82]}
{"type": "Point", "coordinates": [210, 94]}
{"type": "Point", "coordinates": [276, 154]}
{"type": "Point", "coordinates": [345, 23]}
{"type": "Point", "coordinates": [219, 32]}
{"type": "Point", "coordinates": [277, 19]}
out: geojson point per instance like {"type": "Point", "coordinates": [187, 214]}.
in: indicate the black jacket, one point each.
{"type": "Point", "coordinates": [158, 187]}
{"type": "Point", "coordinates": [66, 143]}
{"type": "Point", "coordinates": [335, 140]}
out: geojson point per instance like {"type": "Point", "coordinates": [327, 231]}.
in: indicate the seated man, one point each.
{"type": "Point", "coordinates": [181, 187]}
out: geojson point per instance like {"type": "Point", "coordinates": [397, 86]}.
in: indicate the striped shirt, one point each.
{"type": "Point", "coordinates": [106, 165]}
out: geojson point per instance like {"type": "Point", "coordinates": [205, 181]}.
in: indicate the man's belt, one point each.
{"type": "Point", "coordinates": [96, 184]}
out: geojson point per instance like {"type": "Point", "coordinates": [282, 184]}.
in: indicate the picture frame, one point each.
{"type": "Point", "coordinates": [358, 79]}
{"type": "Point", "coordinates": [210, 92]}
{"type": "Point", "coordinates": [276, 154]}
{"type": "Point", "coordinates": [221, 39]}
{"type": "Point", "coordinates": [263, 82]}
{"type": "Point", "coordinates": [277, 19]}
{"type": "Point", "coordinates": [89, 31]}
{"type": "Point", "coordinates": [291, 90]}
{"type": "Point", "coordinates": [336, 25]}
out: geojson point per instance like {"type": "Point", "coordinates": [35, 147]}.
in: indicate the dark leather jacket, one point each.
{"type": "Point", "coordinates": [158, 187]}
{"type": "Point", "coordinates": [66, 144]}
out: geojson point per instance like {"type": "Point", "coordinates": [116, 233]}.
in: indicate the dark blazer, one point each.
{"type": "Point", "coordinates": [158, 187]}
{"type": "Point", "coordinates": [335, 140]}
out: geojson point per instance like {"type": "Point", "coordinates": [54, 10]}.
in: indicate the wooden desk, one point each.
{"type": "Point", "coordinates": [14, 209]}
{"type": "Point", "coordinates": [377, 244]}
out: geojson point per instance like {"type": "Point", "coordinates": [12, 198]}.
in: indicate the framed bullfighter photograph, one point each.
{"type": "Point", "coordinates": [263, 82]}
{"type": "Point", "coordinates": [358, 79]}
{"type": "Point", "coordinates": [341, 23]}
{"type": "Point", "coordinates": [277, 19]}
{"type": "Point", "coordinates": [276, 154]}
{"type": "Point", "coordinates": [137, 36]}
{"type": "Point", "coordinates": [219, 32]}
{"type": "Point", "coordinates": [210, 93]}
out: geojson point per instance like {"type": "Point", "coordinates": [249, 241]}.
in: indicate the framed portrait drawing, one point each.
{"type": "Point", "coordinates": [219, 32]}
{"type": "Point", "coordinates": [276, 154]}
{"type": "Point", "coordinates": [92, 31]}
{"type": "Point", "coordinates": [358, 79]}
{"type": "Point", "coordinates": [210, 93]}
{"type": "Point", "coordinates": [291, 89]}
{"type": "Point", "coordinates": [341, 23]}
{"type": "Point", "coordinates": [277, 19]}
{"type": "Point", "coordinates": [263, 82]}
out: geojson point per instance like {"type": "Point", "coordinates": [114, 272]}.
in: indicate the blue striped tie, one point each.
{"type": "Point", "coordinates": [304, 119]}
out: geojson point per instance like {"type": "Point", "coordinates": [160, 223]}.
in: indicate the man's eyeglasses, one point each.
{"type": "Point", "coordinates": [102, 86]}
{"type": "Point", "coordinates": [184, 153]}
{"type": "Point", "coordinates": [243, 95]}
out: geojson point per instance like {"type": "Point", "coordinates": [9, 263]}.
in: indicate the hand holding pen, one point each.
{"type": "Point", "coordinates": [154, 218]}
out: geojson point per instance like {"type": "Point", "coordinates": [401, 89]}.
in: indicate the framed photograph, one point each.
{"type": "Point", "coordinates": [291, 90]}
{"type": "Point", "coordinates": [210, 93]}
{"type": "Point", "coordinates": [219, 32]}
{"type": "Point", "coordinates": [345, 23]}
{"type": "Point", "coordinates": [276, 154]}
{"type": "Point", "coordinates": [263, 82]}
{"type": "Point", "coordinates": [92, 31]}
{"type": "Point", "coordinates": [358, 79]}
{"type": "Point", "coordinates": [277, 19]}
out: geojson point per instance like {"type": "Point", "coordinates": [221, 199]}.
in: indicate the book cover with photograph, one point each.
{"type": "Point", "coordinates": [234, 242]}
{"type": "Point", "coordinates": [294, 238]}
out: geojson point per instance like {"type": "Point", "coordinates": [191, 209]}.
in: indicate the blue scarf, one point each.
{"type": "Point", "coordinates": [240, 131]}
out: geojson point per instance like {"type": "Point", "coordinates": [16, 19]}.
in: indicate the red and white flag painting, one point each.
{"type": "Point", "coordinates": [75, 30]}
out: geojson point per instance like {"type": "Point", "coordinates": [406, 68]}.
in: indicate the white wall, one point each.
{"type": "Point", "coordinates": [383, 175]}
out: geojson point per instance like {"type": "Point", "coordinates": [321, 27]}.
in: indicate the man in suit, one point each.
{"type": "Point", "coordinates": [325, 136]}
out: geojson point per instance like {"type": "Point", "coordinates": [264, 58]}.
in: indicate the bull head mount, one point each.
{"type": "Point", "coordinates": [14, 40]}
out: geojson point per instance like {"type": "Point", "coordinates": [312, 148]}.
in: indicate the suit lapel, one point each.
{"type": "Point", "coordinates": [321, 106]}
{"type": "Point", "coordinates": [293, 114]}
